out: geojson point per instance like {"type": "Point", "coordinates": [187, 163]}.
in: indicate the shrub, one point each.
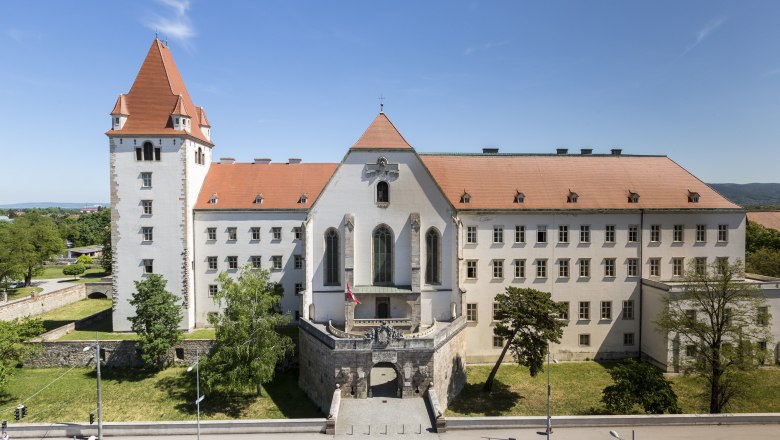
{"type": "Point", "coordinates": [74, 270]}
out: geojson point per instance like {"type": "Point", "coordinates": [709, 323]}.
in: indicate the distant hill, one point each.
{"type": "Point", "coordinates": [750, 194]}
{"type": "Point", "coordinates": [51, 205]}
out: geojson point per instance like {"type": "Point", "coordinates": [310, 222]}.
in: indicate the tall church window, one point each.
{"type": "Point", "coordinates": [382, 192]}
{"type": "Point", "coordinates": [148, 151]}
{"type": "Point", "coordinates": [383, 255]}
{"type": "Point", "coordinates": [433, 257]}
{"type": "Point", "coordinates": [331, 257]}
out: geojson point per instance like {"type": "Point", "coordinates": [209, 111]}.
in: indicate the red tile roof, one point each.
{"type": "Point", "coordinates": [601, 182]}
{"type": "Point", "coordinates": [768, 219]}
{"type": "Point", "coordinates": [382, 134]}
{"type": "Point", "coordinates": [179, 109]}
{"type": "Point", "coordinates": [202, 116]}
{"type": "Point", "coordinates": [154, 96]}
{"type": "Point", "coordinates": [120, 108]}
{"type": "Point", "coordinates": [281, 185]}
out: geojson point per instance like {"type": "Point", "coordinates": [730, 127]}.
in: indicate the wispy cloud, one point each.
{"type": "Point", "coordinates": [23, 36]}
{"type": "Point", "coordinates": [483, 47]}
{"type": "Point", "coordinates": [772, 72]}
{"type": "Point", "coordinates": [702, 35]}
{"type": "Point", "coordinates": [176, 24]}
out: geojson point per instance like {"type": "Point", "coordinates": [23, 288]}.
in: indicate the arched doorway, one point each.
{"type": "Point", "coordinates": [384, 380]}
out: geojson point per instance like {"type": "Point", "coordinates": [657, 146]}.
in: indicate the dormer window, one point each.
{"type": "Point", "coordinates": [302, 199]}
{"type": "Point", "coordinates": [213, 199]}
{"type": "Point", "coordinates": [572, 198]}
{"type": "Point", "coordinates": [633, 197]}
{"type": "Point", "coordinates": [382, 192]}
{"type": "Point", "coordinates": [693, 197]}
{"type": "Point", "coordinates": [519, 197]}
{"type": "Point", "coordinates": [465, 197]}
{"type": "Point", "coordinates": [258, 199]}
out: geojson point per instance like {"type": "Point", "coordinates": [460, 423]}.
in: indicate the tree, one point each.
{"type": "Point", "coordinates": [721, 321]}
{"type": "Point", "coordinates": [156, 321]}
{"type": "Point", "coordinates": [13, 334]}
{"type": "Point", "coordinates": [74, 270]}
{"type": "Point", "coordinates": [85, 259]}
{"type": "Point", "coordinates": [36, 241]}
{"type": "Point", "coordinates": [527, 320]}
{"type": "Point", "coordinates": [106, 258]}
{"type": "Point", "coordinates": [639, 384]}
{"type": "Point", "coordinates": [247, 346]}
{"type": "Point", "coordinates": [764, 261]}
{"type": "Point", "coordinates": [11, 266]}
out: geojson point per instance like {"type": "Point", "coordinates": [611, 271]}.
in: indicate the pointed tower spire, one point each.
{"type": "Point", "coordinates": [382, 134]}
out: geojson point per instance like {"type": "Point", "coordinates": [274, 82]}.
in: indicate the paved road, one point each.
{"type": "Point", "coordinates": [53, 284]}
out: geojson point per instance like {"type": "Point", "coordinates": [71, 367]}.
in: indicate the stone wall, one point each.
{"type": "Point", "coordinates": [449, 374]}
{"type": "Point", "coordinates": [114, 354]}
{"type": "Point", "coordinates": [37, 304]}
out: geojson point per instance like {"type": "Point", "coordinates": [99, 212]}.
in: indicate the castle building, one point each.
{"type": "Point", "coordinates": [424, 241]}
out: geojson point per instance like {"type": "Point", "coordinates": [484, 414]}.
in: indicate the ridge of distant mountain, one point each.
{"type": "Point", "coordinates": [44, 205]}
{"type": "Point", "coordinates": [749, 194]}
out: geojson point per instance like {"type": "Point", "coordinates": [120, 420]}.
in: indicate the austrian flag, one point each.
{"type": "Point", "coordinates": [351, 295]}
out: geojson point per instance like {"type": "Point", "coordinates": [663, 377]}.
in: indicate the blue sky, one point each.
{"type": "Point", "coordinates": [696, 80]}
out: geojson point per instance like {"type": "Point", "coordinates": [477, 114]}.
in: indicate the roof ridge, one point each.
{"type": "Point", "coordinates": [382, 134]}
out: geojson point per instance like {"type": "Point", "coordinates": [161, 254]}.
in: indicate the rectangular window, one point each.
{"type": "Point", "coordinates": [276, 233]}
{"type": "Point", "coordinates": [213, 289]}
{"type": "Point", "coordinates": [148, 266]}
{"type": "Point", "coordinates": [157, 153]}
{"type": "Point", "coordinates": [519, 268]}
{"type": "Point", "coordinates": [146, 180]}
{"type": "Point", "coordinates": [677, 266]}
{"type": "Point", "coordinates": [628, 309]}
{"type": "Point", "coordinates": [232, 234]}
{"type": "Point", "coordinates": [498, 234]}
{"type": "Point", "coordinates": [655, 267]}
{"type": "Point", "coordinates": [498, 268]}
{"type": "Point", "coordinates": [628, 339]}
{"type": "Point", "coordinates": [678, 233]}
{"type": "Point", "coordinates": [584, 339]}
{"type": "Point", "coordinates": [471, 269]}
{"type": "Point", "coordinates": [519, 234]}
{"type": "Point", "coordinates": [609, 267]}
{"type": "Point", "coordinates": [298, 261]}
{"type": "Point", "coordinates": [701, 233]}
{"type": "Point", "coordinates": [584, 267]}
{"type": "Point", "coordinates": [541, 234]}
{"type": "Point", "coordinates": [633, 233]}
{"type": "Point", "coordinates": [298, 288]}
{"type": "Point", "coordinates": [276, 262]}
{"type": "Point", "coordinates": [690, 351]}
{"type": "Point", "coordinates": [762, 317]}
{"type": "Point", "coordinates": [297, 233]}
{"type": "Point", "coordinates": [471, 234]}
{"type": "Point", "coordinates": [147, 207]}
{"type": "Point", "coordinates": [633, 267]}
{"type": "Point", "coordinates": [495, 310]}
{"type": "Point", "coordinates": [471, 312]}
{"type": "Point", "coordinates": [584, 234]}
{"type": "Point", "coordinates": [762, 345]}
{"type": "Point", "coordinates": [563, 268]}
{"type": "Point", "coordinates": [564, 314]}
{"type": "Point", "coordinates": [232, 263]}
{"type": "Point", "coordinates": [584, 310]}
{"type": "Point", "coordinates": [563, 234]}
{"type": "Point", "coordinates": [701, 265]}
{"type": "Point", "coordinates": [655, 233]}
{"type": "Point", "coordinates": [257, 261]}
{"type": "Point", "coordinates": [147, 233]}
{"type": "Point", "coordinates": [723, 233]}
{"type": "Point", "coordinates": [138, 152]}
{"type": "Point", "coordinates": [255, 233]}
{"type": "Point", "coordinates": [606, 309]}
{"type": "Point", "coordinates": [609, 234]}
{"type": "Point", "coordinates": [541, 268]}
{"type": "Point", "coordinates": [211, 233]}
{"type": "Point", "coordinates": [212, 262]}
{"type": "Point", "coordinates": [690, 314]}
{"type": "Point", "coordinates": [498, 342]}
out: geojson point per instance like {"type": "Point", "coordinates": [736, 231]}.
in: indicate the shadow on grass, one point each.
{"type": "Point", "coordinates": [473, 400]}
{"type": "Point", "coordinates": [289, 398]}
{"type": "Point", "coordinates": [120, 375]}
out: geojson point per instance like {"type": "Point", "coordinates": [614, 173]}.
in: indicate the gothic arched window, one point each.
{"type": "Point", "coordinates": [148, 151]}
{"type": "Point", "coordinates": [432, 257]}
{"type": "Point", "coordinates": [382, 192]}
{"type": "Point", "coordinates": [383, 255]}
{"type": "Point", "coordinates": [332, 257]}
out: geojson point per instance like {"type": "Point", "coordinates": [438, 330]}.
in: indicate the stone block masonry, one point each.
{"type": "Point", "coordinates": [113, 354]}
{"type": "Point", "coordinates": [37, 304]}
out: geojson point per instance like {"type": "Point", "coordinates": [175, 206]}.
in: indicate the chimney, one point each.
{"type": "Point", "coordinates": [226, 160]}
{"type": "Point", "coordinates": [586, 151]}
{"type": "Point", "coordinates": [490, 150]}
{"type": "Point", "coordinates": [617, 151]}
{"type": "Point", "coordinates": [262, 161]}
{"type": "Point", "coordinates": [294, 160]}
{"type": "Point", "coordinates": [561, 151]}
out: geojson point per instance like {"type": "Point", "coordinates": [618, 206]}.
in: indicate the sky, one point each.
{"type": "Point", "coordinates": [698, 81]}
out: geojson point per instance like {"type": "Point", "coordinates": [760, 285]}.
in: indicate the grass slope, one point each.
{"type": "Point", "coordinates": [91, 275]}
{"type": "Point", "coordinates": [73, 312]}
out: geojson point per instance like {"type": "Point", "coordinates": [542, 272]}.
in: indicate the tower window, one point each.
{"type": "Point", "coordinates": [148, 151]}
{"type": "Point", "coordinates": [383, 255]}
{"type": "Point", "coordinates": [382, 192]}
{"type": "Point", "coordinates": [332, 257]}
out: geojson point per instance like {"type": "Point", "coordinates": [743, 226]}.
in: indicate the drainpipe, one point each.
{"type": "Point", "coordinates": [641, 276]}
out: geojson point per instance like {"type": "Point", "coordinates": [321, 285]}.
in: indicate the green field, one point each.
{"type": "Point", "coordinates": [577, 387]}
{"type": "Point", "coordinates": [73, 312]}
{"type": "Point", "coordinates": [21, 292]}
{"type": "Point", "coordinates": [136, 395]}
{"type": "Point", "coordinates": [90, 276]}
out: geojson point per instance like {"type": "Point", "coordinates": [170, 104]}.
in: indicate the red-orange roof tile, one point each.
{"type": "Point", "coordinates": [120, 108]}
{"type": "Point", "coordinates": [768, 219]}
{"type": "Point", "coordinates": [180, 109]}
{"type": "Point", "coordinates": [281, 185]}
{"type": "Point", "coordinates": [601, 182]}
{"type": "Point", "coordinates": [154, 95]}
{"type": "Point", "coordinates": [203, 119]}
{"type": "Point", "coordinates": [382, 134]}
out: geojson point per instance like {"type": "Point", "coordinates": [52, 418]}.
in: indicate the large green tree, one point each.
{"type": "Point", "coordinates": [13, 350]}
{"type": "Point", "coordinates": [156, 321]}
{"type": "Point", "coordinates": [85, 229]}
{"type": "Point", "coordinates": [11, 265]}
{"type": "Point", "coordinates": [527, 321]}
{"type": "Point", "coordinates": [247, 346]}
{"type": "Point", "coordinates": [36, 241]}
{"type": "Point", "coordinates": [721, 325]}
{"type": "Point", "coordinates": [639, 384]}
{"type": "Point", "coordinates": [106, 258]}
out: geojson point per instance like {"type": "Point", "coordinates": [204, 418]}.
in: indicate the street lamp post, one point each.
{"type": "Point", "coordinates": [198, 398]}
{"type": "Point", "coordinates": [99, 396]}
{"type": "Point", "coordinates": [549, 422]}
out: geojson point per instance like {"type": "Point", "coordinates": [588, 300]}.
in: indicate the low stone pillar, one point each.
{"type": "Point", "coordinates": [333, 414]}
{"type": "Point", "coordinates": [438, 415]}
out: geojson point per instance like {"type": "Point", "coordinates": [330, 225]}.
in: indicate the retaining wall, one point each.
{"type": "Point", "coordinates": [36, 304]}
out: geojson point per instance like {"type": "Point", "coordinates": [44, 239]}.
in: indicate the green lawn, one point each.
{"type": "Point", "coordinates": [135, 395]}
{"type": "Point", "coordinates": [22, 292]}
{"type": "Point", "coordinates": [73, 312]}
{"type": "Point", "coordinates": [577, 387]}
{"type": "Point", "coordinates": [90, 276]}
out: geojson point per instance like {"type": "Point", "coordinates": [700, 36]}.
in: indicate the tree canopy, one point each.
{"type": "Point", "coordinates": [639, 384]}
{"type": "Point", "coordinates": [13, 350]}
{"type": "Point", "coordinates": [156, 321]}
{"type": "Point", "coordinates": [247, 346]}
{"type": "Point", "coordinates": [36, 240]}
